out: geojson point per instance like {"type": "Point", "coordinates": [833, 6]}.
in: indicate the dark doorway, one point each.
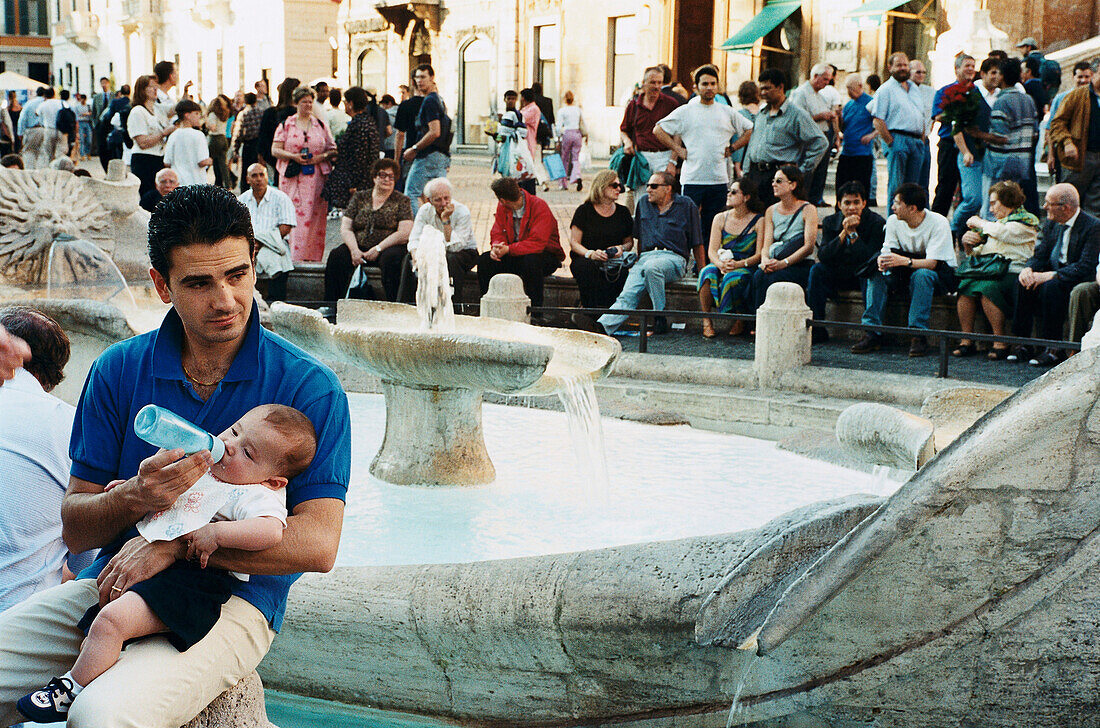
{"type": "Point", "coordinates": [694, 34]}
{"type": "Point", "coordinates": [907, 30]}
{"type": "Point", "coordinates": [39, 71]}
{"type": "Point", "coordinates": [781, 49]}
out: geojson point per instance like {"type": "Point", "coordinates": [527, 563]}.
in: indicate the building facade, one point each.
{"type": "Point", "coordinates": [219, 46]}
{"type": "Point", "coordinates": [25, 39]}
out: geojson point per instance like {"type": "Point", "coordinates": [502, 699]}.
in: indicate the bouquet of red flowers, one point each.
{"type": "Point", "coordinates": [960, 106]}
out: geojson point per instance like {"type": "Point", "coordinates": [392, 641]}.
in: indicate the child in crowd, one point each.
{"type": "Point", "coordinates": [187, 151]}
{"type": "Point", "coordinates": [244, 492]}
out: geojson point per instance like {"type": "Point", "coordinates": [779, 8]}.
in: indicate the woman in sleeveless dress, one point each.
{"type": "Point", "coordinates": [736, 240]}
{"type": "Point", "coordinates": [790, 232]}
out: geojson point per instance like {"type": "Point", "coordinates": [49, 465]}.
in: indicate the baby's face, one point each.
{"type": "Point", "coordinates": [253, 453]}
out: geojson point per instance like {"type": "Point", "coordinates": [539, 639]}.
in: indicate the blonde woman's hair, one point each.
{"type": "Point", "coordinates": [600, 183]}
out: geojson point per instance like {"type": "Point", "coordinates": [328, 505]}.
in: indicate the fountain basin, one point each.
{"type": "Point", "coordinates": [433, 381]}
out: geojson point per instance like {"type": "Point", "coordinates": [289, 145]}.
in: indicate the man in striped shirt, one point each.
{"type": "Point", "coordinates": [246, 135]}
{"type": "Point", "coordinates": [1014, 123]}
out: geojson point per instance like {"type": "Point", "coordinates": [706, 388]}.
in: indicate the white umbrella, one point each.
{"type": "Point", "coordinates": [11, 81]}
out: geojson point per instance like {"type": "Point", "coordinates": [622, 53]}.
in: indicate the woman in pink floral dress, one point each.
{"type": "Point", "coordinates": [305, 141]}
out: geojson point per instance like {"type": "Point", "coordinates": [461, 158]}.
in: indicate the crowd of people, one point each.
{"type": "Point", "coordinates": [697, 186]}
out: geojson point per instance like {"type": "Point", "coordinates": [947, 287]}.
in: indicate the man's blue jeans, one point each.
{"type": "Point", "coordinates": [923, 284]}
{"type": "Point", "coordinates": [970, 182]}
{"type": "Point", "coordinates": [653, 270]}
{"type": "Point", "coordinates": [905, 160]}
{"type": "Point", "coordinates": [421, 172]}
{"type": "Point", "coordinates": [711, 200]}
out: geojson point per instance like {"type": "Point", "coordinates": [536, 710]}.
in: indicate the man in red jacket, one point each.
{"type": "Point", "coordinates": [524, 240]}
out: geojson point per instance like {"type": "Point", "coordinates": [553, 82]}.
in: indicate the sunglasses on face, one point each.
{"type": "Point", "coordinates": [384, 175]}
{"type": "Point", "coordinates": [654, 185]}
{"type": "Point", "coordinates": [616, 185]}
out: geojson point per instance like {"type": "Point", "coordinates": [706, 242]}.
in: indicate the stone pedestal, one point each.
{"type": "Point", "coordinates": [241, 706]}
{"type": "Point", "coordinates": [506, 299]}
{"type": "Point", "coordinates": [782, 337]}
{"type": "Point", "coordinates": [433, 437]}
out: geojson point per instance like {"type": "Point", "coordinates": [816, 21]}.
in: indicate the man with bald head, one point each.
{"type": "Point", "coordinates": [1065, 255]}
{"type": "Point", "coordinates": [809, 97]}
{"type": "Point", "coordinates": [856, 160]}
{"type": "Point", "coordinates": [273, 216]}
{"type": "Point", "coordinates": [165, 181]}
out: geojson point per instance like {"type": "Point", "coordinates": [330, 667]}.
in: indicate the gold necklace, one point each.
{"type": "Point", "coordinates": [195, 380]}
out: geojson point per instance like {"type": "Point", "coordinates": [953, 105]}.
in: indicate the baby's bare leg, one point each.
{"type": "Point", "coordinates": [123, 619]}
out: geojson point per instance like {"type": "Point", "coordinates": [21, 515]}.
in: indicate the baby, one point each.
{"type": "Point", "coordinates": [264, 449]}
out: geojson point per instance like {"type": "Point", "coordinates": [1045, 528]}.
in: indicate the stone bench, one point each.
{"type": "Point", "coordinates": [241, 706]}
{"type": "Point", "coordinates": [307, 284]}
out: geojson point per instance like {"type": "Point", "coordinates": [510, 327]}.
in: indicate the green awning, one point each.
{"type": "Point", "coordinates": [772, 14]}
{"type": "Point", "coordinates": [870, 14]}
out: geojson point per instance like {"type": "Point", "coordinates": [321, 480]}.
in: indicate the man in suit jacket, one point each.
{"type": "Point", "coordinates": [1064, 256]}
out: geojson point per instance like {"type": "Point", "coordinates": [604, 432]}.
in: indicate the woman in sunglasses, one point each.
{"type": "Point", "coordinates": [599, 235]}
{"type": "Point", "coordinates": [790, 233]}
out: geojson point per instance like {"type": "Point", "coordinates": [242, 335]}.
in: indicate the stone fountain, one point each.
{"type": "Point", "coordinates": [433, 381]}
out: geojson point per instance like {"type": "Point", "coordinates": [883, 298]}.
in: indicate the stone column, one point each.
{"type": "Point", "coordinates": [506, 299]}
{"type": "Point", "coordinates": [782, 337]}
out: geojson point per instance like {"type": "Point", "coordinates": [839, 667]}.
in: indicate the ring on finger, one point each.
{"type": "Point", "coordinates": [115, 589]}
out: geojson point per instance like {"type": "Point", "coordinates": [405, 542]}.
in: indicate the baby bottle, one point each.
{"type": "Point", "coordinates": [164, 428]}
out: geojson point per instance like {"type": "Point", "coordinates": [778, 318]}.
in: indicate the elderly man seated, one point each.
{"type": "Point", "coordinates": [34, 462]}
{"type": "Point", "coordinates": [666, 227]}
{"type": "Point", "coordinates": [165, 181]}
{"type": "Point", "coordinates": [273, 216]}
{"type": "Point", "coordinates": [1065, 255]}
{"type": "Point", "coordinates": [454, 221]}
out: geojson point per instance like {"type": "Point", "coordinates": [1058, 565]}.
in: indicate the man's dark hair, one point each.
{"type": "Point", "coordinates": [511, 93]}
{"type": "Point", "coordinates": [250, 98]}
{"type": "Point", "coordinates": [49, 92]}
{"type": "Point", "coordinates": [989, 64]}
{"type": "Point", "coordinates": [537, 88]}
{"type": "Point", "coordinates": [357, 97]}
{"type": "Point", "coordinates": [773, 76]}
{"type": "Point", "coordinates": [912, 194]}
{"type": "Point", "coordinates": [196, 214]}
{"type": "Point", "coordinates": [1082, 66]}
{"type": "Point", "coordinates": [163, 71]}
{"type": "Point", "coordinates": [998, 54]}
{"type": "Point", "coordinates": [334, 96]}
{"type": "Point", "coordinates": [104, 78]}
{"type": "Point", "coordinates": [704, 70]}
{"type": "Point", "coordinates": [874, 81]}
{"type": "Point", "coordinates": [48, 343]}
{"type": "Point", "coordinates": [40, 91]}
{"type": "Point", "coordinates": [425, 67]}
{"type": "Point", "coordinates": [387, 99]}
{"type": "Point", "coordinates": [666, 73]}
{"type": "Point", "coordinates": [186, 107]}
{"type": "Point", "coordinates": [665, 178]}
{"type": "Point", "coordinates": [320, 85]}
{"type": "Point", "coordinates": [12, 161]}
{"type": "Point", "coordinates": [1010, 72]}
{"type": "Point", "coordinates": [852, 187]}
{"type": "Point", "coordinates": [506, 189]}
{"type": "Point", "coordinates": [527, 94]}
{"type": "Point", "coordinates": [64, 94]}
{"type": "Point", "coordinates": [1033, 64]}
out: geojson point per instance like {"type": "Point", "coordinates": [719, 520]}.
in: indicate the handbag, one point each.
{"type": "Point", "coordinates": [360, 286]}
{"type": "Point", "coordinates": [984, 267]}
{"type": "Point", "coordinates": [613, 268]}
{"type": "Point", "coordinates": [788, 246]}
{"type": "Point", "coordinates": [293, 169]}
{"type": "Point", "coordinates": [554, 166]}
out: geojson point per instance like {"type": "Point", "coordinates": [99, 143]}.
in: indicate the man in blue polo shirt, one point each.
{"type": "Point", "coordinates": [210, 362]}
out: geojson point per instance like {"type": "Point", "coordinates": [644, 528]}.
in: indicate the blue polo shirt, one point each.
{"type": "Point", "coordinates": [267, 370]}
{"type": "Point", "coordinates": [857, 124]}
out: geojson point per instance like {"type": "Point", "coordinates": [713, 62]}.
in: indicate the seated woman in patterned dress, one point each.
{"type": "Point", "coordinates": [736, 237]}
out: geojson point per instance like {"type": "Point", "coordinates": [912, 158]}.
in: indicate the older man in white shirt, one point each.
{"type": "Point", "coordinates": [34, 462]}
{"type": "Point", "coordinates": [809, 96]}
{"type": "Point", "coordinates": [272, 213]}
{"type": "Point", "coordinates": [454, 221]}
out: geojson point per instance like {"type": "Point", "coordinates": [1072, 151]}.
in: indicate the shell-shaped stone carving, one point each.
{"type": "Point", "coordinates": [35, 207]}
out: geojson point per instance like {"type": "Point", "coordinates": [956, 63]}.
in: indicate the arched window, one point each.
{"type": "Point", "coordinates": [476, 90]}
{"type": "Point", "coordinates": [371, 70]}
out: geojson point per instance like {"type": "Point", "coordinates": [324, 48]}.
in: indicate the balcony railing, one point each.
{"type": "Point", "coordinates": [80, 28]}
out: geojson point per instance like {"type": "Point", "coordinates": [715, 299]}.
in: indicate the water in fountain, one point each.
{"type": "Point", "coordinates": [79, 269]}
{"type": "Point", "coordinates": [433, 288]}
{"type": "Point", "coordinates": [749, 662]}
{"type": "Point", "coordinates": [578, 397]}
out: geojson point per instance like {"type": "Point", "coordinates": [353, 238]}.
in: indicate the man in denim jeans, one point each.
{"type": "Point", "coordinates": [899, 117]}
{"type": "Point", "coordinates": [666, 226]}
{"type": "Point", "coordinates": [918, 253]}
{"type": "Point", "coordinates": [431, 154]}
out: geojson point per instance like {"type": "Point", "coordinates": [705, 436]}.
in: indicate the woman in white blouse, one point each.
{"type": "Point", "coordinates": [572, 132]}
{"type": "Point", "coordinates": [148, 133]}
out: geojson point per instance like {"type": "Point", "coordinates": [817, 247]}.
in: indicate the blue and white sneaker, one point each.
{"type": "Point", "coordinates": [49, 704]}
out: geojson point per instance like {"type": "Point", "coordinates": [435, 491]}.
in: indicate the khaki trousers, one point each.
{"type": "Point", "coordinates": [153, 685]}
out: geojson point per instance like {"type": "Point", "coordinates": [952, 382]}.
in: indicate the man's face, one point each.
{"type": "Point", "coordinates": [917, 71]}
{"type": "Point", "coordinates": [513, 205]}
{"type": "Point", "coordinates": [440, 200]}
{"type": "Point", "coordinates": [1059, 212]}
{"type": "Point", "coordinates": [105, 84]}
{"type": "Point", "coordinates": [254, 453]}
{"type": "Point", "coordinates": [210, 286]}
{"type": "Point", "coordinates": [173, 78]}
{"type": "Point", "coordinates": [821, 80]}
{"type": "Point", "coordinates": [852, 205]}
{"type": "Point", "coordinates": [510, 102]}
{"type": "Point", "coordinates": [772, 94]}
{"type": "Point", "coordinates": [707, 88]}
{"type": "Point", "coordinates": [651, 84]}
{"type": "Point", "coordinates": [903, 211]}
{"type": "Point", "coordinates": [991, 79]}
{"type": "Point", "coordinates": [900, 68]}
{"type": "Point", "coordinates": [322, 91]}
{"type": "Point", "coordinates": [167, 182]}
{"type": "Point", "coordinates": [658, 190]}
{"type": "Point", "coordinates": [965, 72]}
{"type": "Point", "coordinates": [257, 180]}
{"type": "Point", "coordinates": [423, 81]}
{"type": "Point", "coordinates": [1082, 76]}
{"type": "Point", "coordinates": [855, 89]}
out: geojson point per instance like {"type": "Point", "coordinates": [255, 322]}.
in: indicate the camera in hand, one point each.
{"type": "Point", "coordinates": [612, 251]}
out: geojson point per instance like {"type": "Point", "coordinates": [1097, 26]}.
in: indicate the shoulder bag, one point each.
{"type": "Point", "coordinates": [984, 267]}
{"type": "Point", "coordinates": [788, 246]}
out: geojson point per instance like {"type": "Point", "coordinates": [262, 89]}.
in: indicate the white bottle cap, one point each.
{"type": "Point", "coordinates": [217, 450]}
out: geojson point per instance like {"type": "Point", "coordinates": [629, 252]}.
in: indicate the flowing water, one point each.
{"type": "Point", "coordinates": [433, 283]}
{"type": "Point", "coordinates": [78, 269]}
{"type": "Point", "coordinates": [578, 397]}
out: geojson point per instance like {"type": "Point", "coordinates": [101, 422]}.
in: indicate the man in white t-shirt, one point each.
{"type": "Point", "coordinates": [918, 253]}
{"type": "Point", "coordinates": [810, 97]}
{"type": "Point", "coordinates": [703, 133]}
{"type": "Point", "coordinates": [47, 113]}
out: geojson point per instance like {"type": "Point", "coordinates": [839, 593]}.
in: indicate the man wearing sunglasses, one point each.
{"type": "Point", "coordinates": [666, 226]}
